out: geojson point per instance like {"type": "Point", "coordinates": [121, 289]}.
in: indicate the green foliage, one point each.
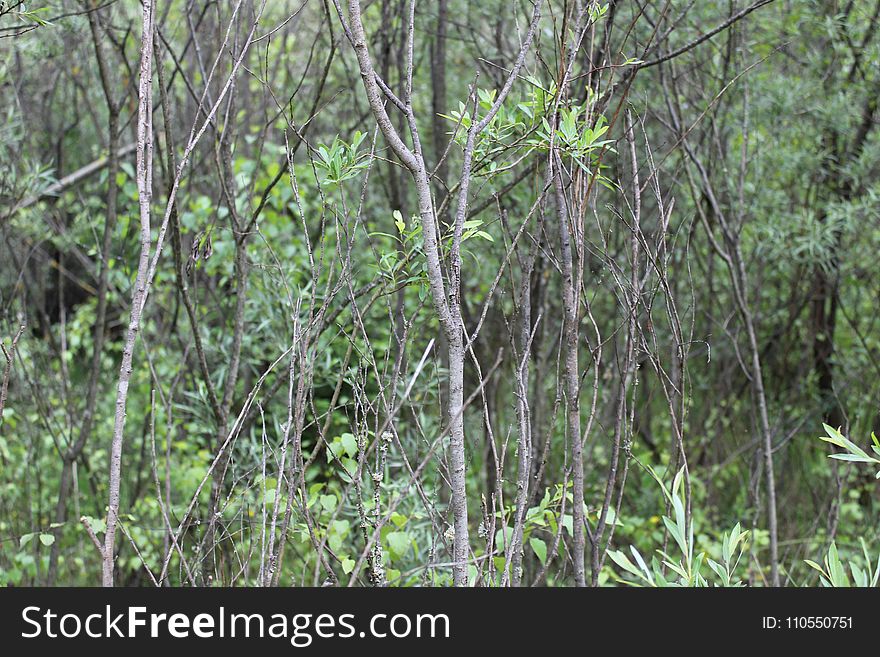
{"type": "Point", "coordinates": [21, 11]}
{"type": "Point", "coordinates": [342, 161]}
{"type": "Point", "coordinates": [833, 571]}
{"type": "Point", "coordinates": [335, 269]}
{"type": "Point", "coordinates": [854, 453]}
{"type": "Point", "coordinates": [686, 566]}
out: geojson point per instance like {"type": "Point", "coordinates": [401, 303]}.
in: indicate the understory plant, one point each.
{"type": "Point", "coordinates": [686, 567]}
{"type": "Point", "coordinates": [833, 571]}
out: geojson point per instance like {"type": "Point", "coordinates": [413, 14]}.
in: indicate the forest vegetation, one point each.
{"type": "Point", "coordinates": [439, 293]}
